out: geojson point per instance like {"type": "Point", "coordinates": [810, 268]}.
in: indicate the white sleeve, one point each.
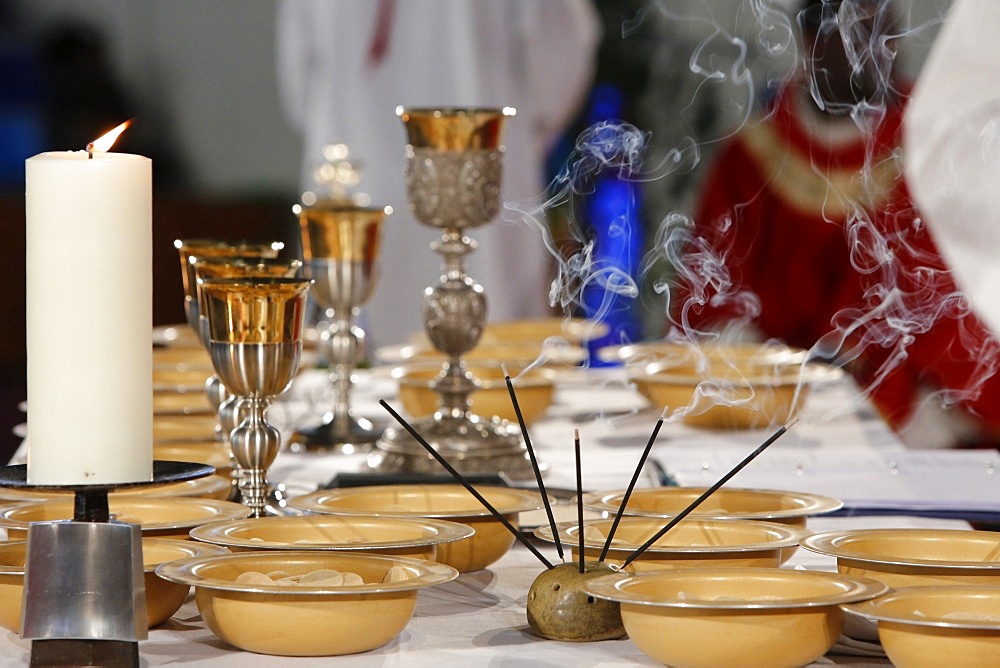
{"type": "Point", "coordinates": [952, 148]}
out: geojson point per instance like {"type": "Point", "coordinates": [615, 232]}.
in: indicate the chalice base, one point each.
{"type": "Point", "coordinates": [471, 444]}
{"type": "Point", "coordinates": [338, 433]}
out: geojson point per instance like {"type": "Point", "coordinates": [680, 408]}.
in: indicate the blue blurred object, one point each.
{"type": "Point", "coordinates": [21, 124]}
{"type": "Point", "coordinates": [612, 212]}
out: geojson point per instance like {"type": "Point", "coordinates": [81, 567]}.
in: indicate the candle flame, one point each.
{"type": "Point", "coordinates": [107, 140]}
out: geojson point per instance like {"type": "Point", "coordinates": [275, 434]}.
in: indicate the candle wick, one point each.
{"type": "Point", "coordinates": [90, 151]}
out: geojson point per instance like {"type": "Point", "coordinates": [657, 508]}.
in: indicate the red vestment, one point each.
{"type": "Point", "coordinates": [825, 235]}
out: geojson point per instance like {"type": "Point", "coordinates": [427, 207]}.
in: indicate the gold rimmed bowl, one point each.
{"type": "Point", "coordinates": [722, 386]}
{"type": "Point", "coordinates": [732, 397]}
{"type": "Point", "coordinates": [734, 616]}
{"type": "Point", "coordinates": [535, 390]}
{"type": "Point", "coordinates": [705, 355]}
{"type": "Point", "coordinates": [925, 627]}
{"type": "Point", "coordinates": [163, 598]}
{"type": "Point", "coordinates": [163, 517]}
{"type": "Point", "coordinates": [914, 557]}
{"type": "Point", "coordinates": [444, 502]}
{"type": "Point", "coordinates": [210, 452]}
{"type": "Point", "coordinates": [300, 609]}
{"type": "Point", "coordinates": [419, 538]}
{"type": "Point", "coordinates": [183, 428]}
{"type": "Point", "coordinates": [691, 543]}
{"type": "Point", "coordinates": [182, 403]}
{"type": "Point", "coordinates": [768, 505]}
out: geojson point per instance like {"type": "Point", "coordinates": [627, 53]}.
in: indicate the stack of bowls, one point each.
{"type": "Point", "coordinates": [945, 607]}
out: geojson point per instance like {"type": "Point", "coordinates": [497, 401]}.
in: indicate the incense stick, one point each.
{"type": "Point", "coordinates": [534, 462]}
{"type": "Point", "coordinates": [460, 478]}
{"type": "Point", "coordinates": [708, 492]}
{"type": "Point", "coordinates": [631, 485]}
{"type": "Point", "coordinates": [579, 495]}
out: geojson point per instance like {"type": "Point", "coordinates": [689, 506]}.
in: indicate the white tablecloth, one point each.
{"type": "Point", "coordinates": [479, 619]}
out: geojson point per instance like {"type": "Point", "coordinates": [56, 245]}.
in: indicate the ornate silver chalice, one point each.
{"type": "Point", "coordinates": [454, 163]}
{"type": "Point", "coordinates": [255, 329]}
{"type": "Point", "coordinates": [340, 244]}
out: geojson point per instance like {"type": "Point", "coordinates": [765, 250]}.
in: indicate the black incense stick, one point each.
{"type": "Point", "coordinates": [631, 485]}
{"type": "Point", "coordinates": [579, 494]}
{"type": "Point", "coordinates": [460, 478]}
{"type": "Point", "coordinates": [534, 462]}
{"type": "Point", "coordinates": [707, 493]}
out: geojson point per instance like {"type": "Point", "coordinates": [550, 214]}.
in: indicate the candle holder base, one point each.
{"type": "Point", "coordinates": [84, 600]}
{"type": "Point", "coordinates": [84, 653]}
{"type": "Point", "coordinates": [470, 443]}
{"type": "Point", "coordinates": [340, 434]}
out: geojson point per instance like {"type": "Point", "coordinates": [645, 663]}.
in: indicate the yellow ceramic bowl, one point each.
{"type": "Point", "coordinates": [927, 627]}
{"type": "Point", "coordinates": [163, 598]}
{"type": "Point", "coordinates": [533, 330]}
{"type": "Point", "coordinates": [914, 557]}
{"type": "Point", "coordinates": [419, 538]}
{"type": "Point", "coordinates": [183, 428]}
{"type": "Point", "coordinates": [163, 517]}
{"type": "Point", "coordinates": [181, 358]}
{"type": "Point", "coordinates": [446, 502]}
{"type": "Point", "coordinates": [301, 620]}
{"type": "Point", "coordinates": [732, 616]}
{"type": "Point", "coordinates": [732, 397]}
{"type": "Point", "coordinates": [179, 380]}
{"type": "Point", "coordinates": [714, 355]}
{"type": "Point", "coordinates": [182, 403]}
{"type": "Point", "coordinates": [176, 336]}
{"type": "Point", "coordinates": [213, 453]}
{"type": "Point", "coordinates": [534, 390]}
{"type": "Point", "coordinates": [727, 503]}
{"type": "Point", "coordinates": [690, 544]}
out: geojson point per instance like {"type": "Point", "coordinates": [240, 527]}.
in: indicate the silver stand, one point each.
{"type": "Point", "coordinates": [84, 601]}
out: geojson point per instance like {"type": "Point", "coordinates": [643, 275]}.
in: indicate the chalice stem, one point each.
{"type": "Point", "coordinates": [255, 445]}
{"type": "Point", "coordinates": [342, 350]}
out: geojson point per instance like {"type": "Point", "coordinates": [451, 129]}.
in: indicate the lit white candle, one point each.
{"type": "Point", "coordinates": [89, 318]}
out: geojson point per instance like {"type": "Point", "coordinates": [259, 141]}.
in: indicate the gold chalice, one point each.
{"type": "Point", "coordinates": [454, 163]}
{"type": "Point", "coordinates": [340, 244]}
{"type": "Point", "coordinates": [255, 339]}
{"type": "Point", "coordinates": [192, 250]}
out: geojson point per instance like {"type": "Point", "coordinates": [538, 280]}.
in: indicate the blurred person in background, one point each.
{"type": "Point", "coordinates": [952, 139]}
{"type": "Point", "coordinates": [806, 232]}
{"type": "Point", "coordinates": [344, 67]}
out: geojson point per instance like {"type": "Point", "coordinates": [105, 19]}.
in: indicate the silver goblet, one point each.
{"type": "Point", "coordinates": [454, 163]}
{"type": "Point", "coordinates": [255, 328]}
{"type": "Point", "coordinates": [190, 252]}
{"type": "Point", "coordinates": [340, 244]}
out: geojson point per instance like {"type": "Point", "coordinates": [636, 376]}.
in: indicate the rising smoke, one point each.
{"type": "Point", "coordinates": [721, 76]}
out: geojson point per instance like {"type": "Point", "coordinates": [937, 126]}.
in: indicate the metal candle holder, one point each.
{"type": "Point", "coordinates": [454, 163]}
{"type": "Point", "coordinates": [340, 244]}
{"type": "Point", "coordinates": [84, 600]}
{"type": "Point", "coordinates": [255, 334]}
